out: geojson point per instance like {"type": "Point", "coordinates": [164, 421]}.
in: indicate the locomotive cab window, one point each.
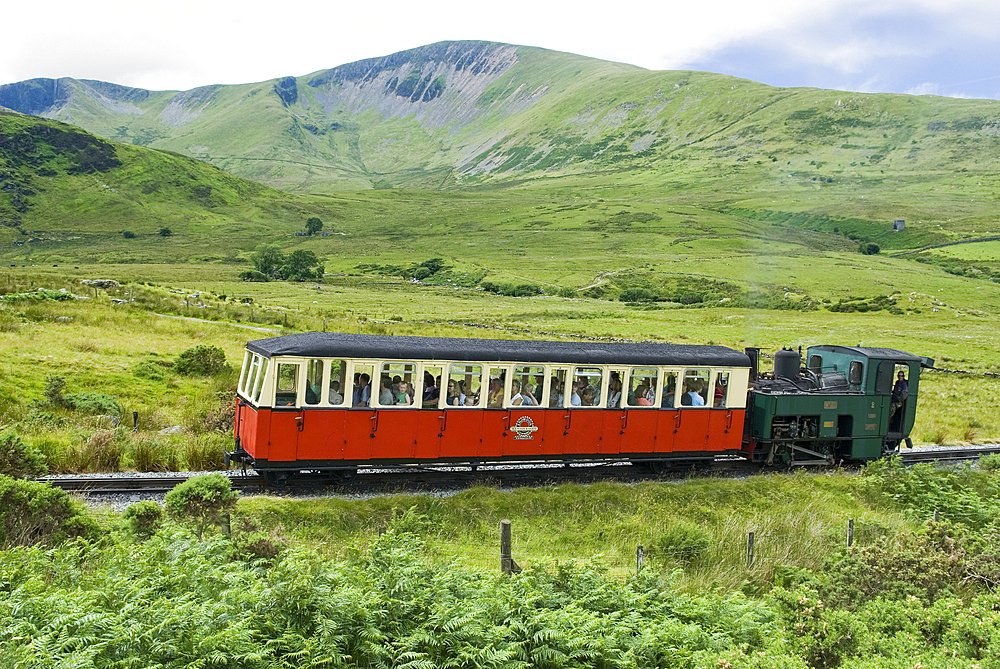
{"type": "Point", "coordinates": [855, 373]}
{"type": "Point", "coordinates": [286, 385]}
{"type": "Point", "coordinates": [642, 387]}
{"type": "Point", "coordinates": [695, 390]}
{"type": "Point", "coordinates": [588, 386]}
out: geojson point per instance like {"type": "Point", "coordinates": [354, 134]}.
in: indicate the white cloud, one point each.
{"type": "Point", "coordinates": [188, 43]}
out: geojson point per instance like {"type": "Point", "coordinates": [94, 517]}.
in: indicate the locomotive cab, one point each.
{"type": "Point", "coordinates": [845, 403]}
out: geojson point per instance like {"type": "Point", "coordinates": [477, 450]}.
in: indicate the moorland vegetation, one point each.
{"type": "Point", "coordinates": [476, 189]}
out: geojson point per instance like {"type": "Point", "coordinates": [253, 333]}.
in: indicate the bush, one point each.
{"type": "Point", "coordinates": [18, 459]}
{"type": "Point", "coordinates": [165, 232]}
{"type": "Point", "coordinates": [144, 518]}
{"type": "Point", "coordinates": [95, 403]}
{"type": "Point", "coordinates": [36, 513]}
{"type": "Point", "coordinates": [128, 234]}
{"type": "Point", "coordinates": [202, 501]}
{"type": "Point", "coordinates": [55, 389]}
{"type": "Point", "coordinates": [253, 275]}
{"type": "Point", "coordinates": [201, 361]}
{"type": "Point", "coordinates": [684, 542]}
{"type": "Point", "coordinates": [637, 295]}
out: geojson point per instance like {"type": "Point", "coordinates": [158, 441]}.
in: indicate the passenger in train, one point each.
{"type": "Point", "coordinates": [461, 385]}
{"type": "Point", "coordinates": [528, 399]}
{"type": "Point", "coordinates": [539, 389]}
{"type": "Point", "coordinates": [574, 399]}
{"type": "Point", "coordinates": [451, 399]}
{"type": "Point", "coordinates": [587, 398]}
{"type": "Point", "coordinates": [362, 391]}
{"type": "Point", "coordinates": [431, 391]}
{"type": "Point", "coordinates": [335, 396]}
{"type": "Point", "coordinates": [668, 394]}
{"type": "Point", "coordinates": [692, 395]}
{"type": "Point", "coordinates": [516, 399]}
{"type": "Point", "coordinates": [404, 395]}
{"type": "Point", "coordinates": [640, 396]}
{"type": "Point", "coordinates": [495, 397]}
{"type": "Point", "coordinates": [385, 394]}
{"type": "Point", "coordinates": [614, 391]}
{"type": "Point", "coordinates": [555, 397]}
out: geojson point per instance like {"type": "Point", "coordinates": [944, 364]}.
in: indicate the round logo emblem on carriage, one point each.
{"type": "Point", "coordinates": [524, 428]}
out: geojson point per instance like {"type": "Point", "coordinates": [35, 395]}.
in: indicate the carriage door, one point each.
{"type": "Point", "coordinates": [287, 416]}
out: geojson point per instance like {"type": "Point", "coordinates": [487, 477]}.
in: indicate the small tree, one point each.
{"type": "Point", "coordinates": [128, 234]}
{"type": "Point", "coordinates": [165, 232]}
{"type": "Point", "coordinates": [267, 258]}
{"type": "Point", "coordinates": [313, 225]}
{"type": "Point", "coordinates": [300, 266]}
{"type": "Point", "coordinates": [202, 500]}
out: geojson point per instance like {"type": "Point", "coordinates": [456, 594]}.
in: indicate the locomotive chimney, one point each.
{"type": "Point", "coordinates": [787, 363]}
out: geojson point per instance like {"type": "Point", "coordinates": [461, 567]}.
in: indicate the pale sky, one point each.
{"type": "Point", "coordinates": [900, 46]}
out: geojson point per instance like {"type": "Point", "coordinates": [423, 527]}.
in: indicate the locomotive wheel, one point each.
{"type": "Point", "coordinates": [347, 475]}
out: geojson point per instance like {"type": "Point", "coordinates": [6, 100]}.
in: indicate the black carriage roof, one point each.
{"type": "Point", "coordinates": [872, 352]}
{"type": "Point", "coordinates": [385, 347]}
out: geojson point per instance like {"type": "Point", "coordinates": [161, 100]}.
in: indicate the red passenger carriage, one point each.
{"type": "Point", "coordinates": [336, 402]}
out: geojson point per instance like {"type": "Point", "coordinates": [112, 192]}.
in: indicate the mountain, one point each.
{"type": "Point", "coordinates": [466, 114]}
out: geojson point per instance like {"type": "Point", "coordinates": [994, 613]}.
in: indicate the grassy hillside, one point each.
{"type": "Point", "coordinates": [75, 195]}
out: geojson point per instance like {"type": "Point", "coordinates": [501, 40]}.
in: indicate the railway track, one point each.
{"type": "Point", "coordinates": [370, 481]}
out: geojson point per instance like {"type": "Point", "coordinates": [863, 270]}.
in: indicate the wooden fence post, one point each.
{"type": "Point", "coordinates": [507, 563]}
{"type": "Point", "coordinates": [638, 559]}
{"type": "Point", "coordinates": [850, 532]}
{"type": "Point", "coordinates": [936, 516]}
{"type": "Point", "coordinates": [750, 549]}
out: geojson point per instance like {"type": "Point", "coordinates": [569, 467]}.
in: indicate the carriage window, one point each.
{"type": "Point", "coordinates": [615, 389]}
{"type": "Point", "coordinates": [251, 375]}
{"type": "Point", "coordinates": [721, 389]}
{"type": "Point", "coordinates": [558, 379]}
{"type": "Point", "coordinates": [525, 383]}
{"type": "Point", "coordinates": [464, 386]}
{"type": "Point", "coordinates": [258, 384]}
{"type": "Point", "coordinates": [397, 384]}
{"type": "Point", "coordinates": [494, 387]}
{"type": "Point", "coordinates": [668, 399]}
{"type": "Point", "coordinates": [338, 372]}
{"type": "Point", "coordinates": [314, 381]}
{"type": "Point", "coordinates": [286, 388]}
{"type": "Point", "coordinates": [430, 387]}
{"type": "Point", "coordinates": [247, 358]}
{"type": "Point", "coordinates": [695, 390]}
{"type": "Point", "coordinates": [587, 382]}
{"type": "Point", "coordinates": [855, 374]}
{"type": "Point", "coordinates": [642, 387]}
{"type": "Point", "coordinates": [361, 390]}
